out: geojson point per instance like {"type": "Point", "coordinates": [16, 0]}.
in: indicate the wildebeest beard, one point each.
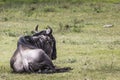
{"type": "Point", "coordinates": [40, 42]}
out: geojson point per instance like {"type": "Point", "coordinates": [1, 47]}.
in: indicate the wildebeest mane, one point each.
{"type": "Point", "coordinates": [29, 42]}
{"type": "Point", "coordinates": [43, 32]}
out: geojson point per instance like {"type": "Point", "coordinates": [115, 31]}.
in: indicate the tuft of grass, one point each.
{"type": "Point", "coordinates": [50, 9]}
{"type": "Point", "coordinates": [74, 26]}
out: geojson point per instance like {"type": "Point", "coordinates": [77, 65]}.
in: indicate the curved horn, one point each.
{"type": "Point", "coordinates": [36, 28]}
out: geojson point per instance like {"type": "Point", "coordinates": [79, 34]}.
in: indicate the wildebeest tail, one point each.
{"type": "Point", "coordinates": [64, 69]}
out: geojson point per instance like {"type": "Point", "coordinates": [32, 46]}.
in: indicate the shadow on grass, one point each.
{"type": "Point", "coordinates": [61, 70]}
{"type": "Point", "coordinates": [57, 70]}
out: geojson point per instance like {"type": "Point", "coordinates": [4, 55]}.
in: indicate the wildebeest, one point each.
{"type": "Point", "coordinates": [47, 32]}
{"type": "Point", "coordinates": [33, 53]}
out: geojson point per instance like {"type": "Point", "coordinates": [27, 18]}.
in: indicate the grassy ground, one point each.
{"type": "Point", "coordinates": [82, 42]}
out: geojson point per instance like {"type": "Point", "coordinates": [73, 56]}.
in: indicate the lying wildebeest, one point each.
{"type": "Point", "coordinates": [47, 32]}
{"type": "Point", "coordinates": [33, 54]}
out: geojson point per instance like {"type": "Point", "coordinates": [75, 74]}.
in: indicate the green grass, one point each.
{"type": "Point", "coordinates": [84, 44]}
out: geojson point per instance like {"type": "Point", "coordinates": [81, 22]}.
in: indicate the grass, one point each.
{"type": "Point", "coordinates": [82, 42]}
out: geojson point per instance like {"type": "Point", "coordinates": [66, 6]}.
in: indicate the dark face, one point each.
{"type": "Point", "coordinates": [48, 33]}
{"type": "Point", "coordinates": [41, 42]}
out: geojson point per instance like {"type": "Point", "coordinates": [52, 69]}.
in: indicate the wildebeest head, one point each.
{"type": "Point", "coordinates": [40, 42]}
{"type": "Point", "coordinates": [47, 32]}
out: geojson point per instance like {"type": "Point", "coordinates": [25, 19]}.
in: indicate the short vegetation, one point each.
{"type": "Point", "coordinates": [83, 43]}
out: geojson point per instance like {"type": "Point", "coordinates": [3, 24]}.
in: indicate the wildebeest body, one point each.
{"type": "Point", "coordinates": [29, 55]}
{"type": "Point", "coordinates": [31, 60]}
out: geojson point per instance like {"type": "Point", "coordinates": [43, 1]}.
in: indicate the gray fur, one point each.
{"type": "Point", "coordinates": [29, 55]}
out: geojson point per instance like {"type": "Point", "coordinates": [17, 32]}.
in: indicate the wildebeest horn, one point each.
{"type": "Point", "coordinates": [36, 28]}
{"type": "Point", "coordinates": [48, 30]}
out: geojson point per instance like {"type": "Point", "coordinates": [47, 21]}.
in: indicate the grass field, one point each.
{"type": "Point", "coordinates": [83, 44]}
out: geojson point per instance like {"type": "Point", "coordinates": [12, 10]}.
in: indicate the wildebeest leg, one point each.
{"type": "Point", "coordinates": [47, 67]}
{"type": "Point", "coordinates": [41, 67]}
{"type": "Point", "coordinates": [34, 67]}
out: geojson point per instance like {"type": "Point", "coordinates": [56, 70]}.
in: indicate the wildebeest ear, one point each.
{"type": "Point", "coordinates": [36, 30]}
{"type": "Point", "coordinates": [49, 30]}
